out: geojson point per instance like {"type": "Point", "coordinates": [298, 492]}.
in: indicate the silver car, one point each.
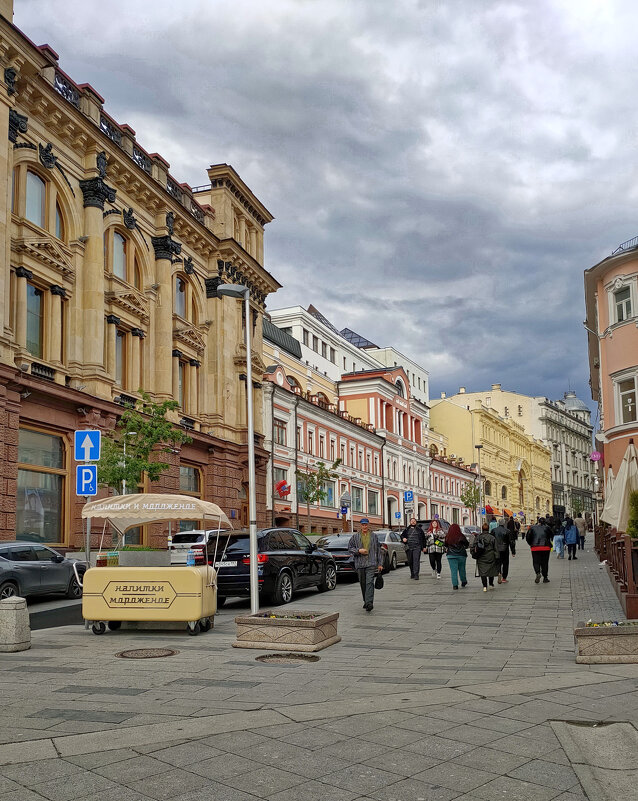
{"type": "Point", "coordinates": [391, 542]}
{"type": "Point", "coordinates": [27, 568]}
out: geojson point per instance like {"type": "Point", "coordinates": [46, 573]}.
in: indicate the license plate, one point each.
{"type": "Point", "coordinates": [225, 564]}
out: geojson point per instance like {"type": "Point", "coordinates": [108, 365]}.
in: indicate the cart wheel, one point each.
{"type": "Point", "coordinates": [205, 624]}
{"type": "Point", "coordinates": [114, 625]}
{"type": "Point", "coordinates": [98, 628]}
{"type": "Point", "coordinates": [193, 629]}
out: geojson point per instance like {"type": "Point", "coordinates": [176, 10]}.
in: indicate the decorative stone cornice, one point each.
{"type": "Point", "coordinates": [194, 363]}
{"type": "Point", "coordinates": [131, 301]}
{"type": "Point", "coordinates": [177, 354]}
{"type": "Point", "coordinates": [18, 124]}
{"type": "Point", "coordinates": [57, 290]}
{"type": "Point", "coordinates": [137, 332]}
{"type": "Point", "coordinates": [22, 272]}
{"type": "Point", "coordinates": [191, 337]}
{"type": "Point", "coordinates": [165, 247]}
{"type": "Point", "coordinates": [96, 192]}
{"type": "Point", "coordinates": [47, 251]}
{"type": "Point", "coordinates": [111, 319]}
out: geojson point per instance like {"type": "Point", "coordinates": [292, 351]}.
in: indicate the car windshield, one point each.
{"type": "Point", "coordinates": [381, 535]}
{"type": "Point", "coordinates": [333, 542]}
{"type": "Point", "coordinates": [187, 537]}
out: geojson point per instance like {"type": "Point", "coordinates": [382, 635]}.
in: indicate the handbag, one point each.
{"type": "Point", "coordinates": [378, 582]}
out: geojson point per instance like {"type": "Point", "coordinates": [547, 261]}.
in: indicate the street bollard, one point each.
{"type": "Point", "coordinates": [15, 631]}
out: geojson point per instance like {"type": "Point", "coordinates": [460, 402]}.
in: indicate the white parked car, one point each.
{"type": "Point", "coordinates": [181, 542]}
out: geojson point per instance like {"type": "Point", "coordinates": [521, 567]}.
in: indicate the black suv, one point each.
{"type": "Point", "coordinates": [286, 562]}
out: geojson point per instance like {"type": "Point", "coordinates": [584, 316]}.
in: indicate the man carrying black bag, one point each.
{"type": "Point", "coordinates": [414, 540]}
{"type": "Point", "coordinates": [368, 560]}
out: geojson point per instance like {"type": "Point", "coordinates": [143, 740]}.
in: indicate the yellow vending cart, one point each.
{"type": "Point", "coordinates": [114, 594]}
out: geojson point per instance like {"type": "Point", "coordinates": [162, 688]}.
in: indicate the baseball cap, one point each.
{"type": "Point", "coordinates": [364, 521]}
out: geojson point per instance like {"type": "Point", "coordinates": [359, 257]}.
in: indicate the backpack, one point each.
{"type": "Point", "coordinates": [478, 548]}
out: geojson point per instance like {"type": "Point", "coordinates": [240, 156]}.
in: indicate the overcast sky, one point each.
{"type": "Point", "coordinates": [441, 171]}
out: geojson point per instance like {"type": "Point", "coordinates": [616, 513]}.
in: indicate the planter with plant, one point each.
{"type": "Point", "coordinates": [287, 631]}
{"type": "Point", "coordinates": [607, 642]}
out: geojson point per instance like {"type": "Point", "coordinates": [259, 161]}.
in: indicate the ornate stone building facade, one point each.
{"type": "Point", "coordinates": [108, 286]}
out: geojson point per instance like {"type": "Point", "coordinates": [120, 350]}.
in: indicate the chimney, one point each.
{"type": "Point", "coordinates": [461, 390]}
{"type": "Point", "coordinates": [496, 387]}
{"type": "Point", "coordinates": [443, 395]}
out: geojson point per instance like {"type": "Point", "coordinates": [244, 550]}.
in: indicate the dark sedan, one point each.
{"type": "Point", "coordinates": [337, 547]}
{"type": "Point", "coordinates": [286, 562]}
{"type": "Point", "coordinates": [27, 568]}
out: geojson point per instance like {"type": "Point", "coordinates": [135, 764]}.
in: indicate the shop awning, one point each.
{"type": "Point", "coordinates": [508, 512]}
{"type": "Point", "coordinates": [491, 510]}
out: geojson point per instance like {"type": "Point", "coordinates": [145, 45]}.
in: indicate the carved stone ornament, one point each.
{"type": "Point", "coordinates": [111, 319]}
{"type": "Point", "coordinates": [129, 219]}
{"type": "Point", "coordinates": [137, 332]}
{"type": "Point", "coordinates": [52, 253]}
{"type": "Point", "coordinates": [10, 76]}
{"type": "Point", "coordinates": [165, 247]}
{"type": "Point", "coordinates": [18, 124]}
{"type": "Point", "coordinates": [211, 286]}
{"type": "Point", "coordinates": [22, 272]}
{"type": "Point", "coordinates": [58, 290]}
{"type": "Point", "coordinates": [47, 158]}
{"type": "Point", "coordinates": [189, 267]}
{"type": "Point", "coordinates": [101, 163]}
{"type": "Point", "coordinates": [176, 354]}
{"type": "Point", "coordinates": [170, 222]}
{"type": "Point", "coordinates": [619, 283]}
{"type": "Point", "coordinates": [96, 193]}
{"type": "Point", "coordinates": [130, 301]}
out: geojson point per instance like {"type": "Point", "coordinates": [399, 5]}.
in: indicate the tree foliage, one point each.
{"type": "Point", "coordinates": [471, 496]}
{"type": "Point", "coordinates": [632, 522]}
{"type": "Point", "coordinates": [146, 432]}
{"type": "Point", "coordinates": [310, 485]}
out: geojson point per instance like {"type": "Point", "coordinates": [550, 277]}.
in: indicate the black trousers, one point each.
{"type": "Point", "coordinates": [485, 579]}
{"type": "Point", "coordinates": [435, 561]}
{"type": "Point", "coordinates": [540, 560]}
{"type": "Point", "coordinates": [414, 560]}
{"type": "Point", "coordinates": [504, 563]}
{"type": "Point", "coordinates": [571, 550]}
{"type": "Point", "coordinates": [581, 542]}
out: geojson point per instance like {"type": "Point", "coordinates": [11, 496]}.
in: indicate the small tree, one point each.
{"type": "Point", "coordinates": [141, 433]}
{"type": "Point", "coordinates": [310, 487]}
{"type": "Point", "coordinates": [471, 497]}
{"type": "Point", "coordinates": [577, 506]}
{"type": "Point", "coordinates": [632, 522]}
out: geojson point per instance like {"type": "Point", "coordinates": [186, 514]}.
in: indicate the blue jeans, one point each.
{"type": "Point", "coordinates": [457, 568]}
{"type": "Point", "coordinates": [559, 545]}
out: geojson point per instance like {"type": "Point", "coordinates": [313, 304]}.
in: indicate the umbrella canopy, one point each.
{"type": "Point", "coordinates": [128, 511]}
{"type": "Point", "coordinates": [616, 509]}
{"type": "Point", "coordinates": [491, 510]}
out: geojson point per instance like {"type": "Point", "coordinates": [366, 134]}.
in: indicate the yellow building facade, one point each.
{"type": "Point", "coordinates": [108, 282]}
{"type": "Point", "coordinates": [516, 468]}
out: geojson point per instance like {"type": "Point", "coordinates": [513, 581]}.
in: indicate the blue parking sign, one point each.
{"type": "Point", "coordinates": [408, 496]}
{"type": "Point", "coordinates": [397, 515]}
{"type": "Point", "coordinates": [86, 479]}
{"type": "Point", "coordinates": [344, 510]}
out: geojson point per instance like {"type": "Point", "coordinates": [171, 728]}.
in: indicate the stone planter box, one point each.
{"type": "Point", "coordinates": [282, 634]}
{"type": "Point", "coordinates": [132, 558]}
{"type": "Point", "coordinates": [607, 645]}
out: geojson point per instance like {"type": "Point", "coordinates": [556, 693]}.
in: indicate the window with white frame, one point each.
{"type": "Point", "coordinates": [626, 399]}
{"type": "Point", "coordinates": [329, 498]}
{"type": "Point", "coordinates": [279, 427]}
{"type": "Point", "coordinates": [373, 502]}
{"type": "Point", "coordinates": [622, 304]}
{"type": "Point", "coordinates": [357, 499]}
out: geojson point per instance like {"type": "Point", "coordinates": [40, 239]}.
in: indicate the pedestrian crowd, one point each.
{"type": "Point", "coordinates": [491, 548]}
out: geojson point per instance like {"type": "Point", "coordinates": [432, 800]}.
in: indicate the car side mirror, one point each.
{"type": "Point", "coordinates": [57, 558]}
{"type": "Point", "coordinates": [312, 547]}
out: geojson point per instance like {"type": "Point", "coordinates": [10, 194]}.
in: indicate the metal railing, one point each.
{"type": "Point", "coordinates": [619, 551]}
{"type": "Point", "coordinates": [630, 244]}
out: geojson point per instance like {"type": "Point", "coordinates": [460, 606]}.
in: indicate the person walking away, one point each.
{"type": "Point", "coordinates": [414, 540]}
{"type": "Point", "coordinates": [455, 545]}
{"type": "Point", "coordinates": [559, 543]}
{"type": "Point", "coordinates": [571, 538]}
{"type": "Point", "coordinates": [580, 524]}
{"type": "Point", "coordinates": [539, 539]}
{"type": "Point", "coordinates": [485, 552]}
{"type": "Point", "coordinates": [504, 543]}
{"type": "Point", "coordinates": [434, 544]}
{"type": "Point", "coordinates": [368, 560]}
{"type": "Point", "coordinates": [493, 523]}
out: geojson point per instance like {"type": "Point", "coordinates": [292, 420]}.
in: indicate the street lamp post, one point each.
{"type": "Point", "coordinates": [240, 291]}
{"type": "Point", "coordinates": [127, 434]}
{"type": "Point", "coordinates": [479, 448]}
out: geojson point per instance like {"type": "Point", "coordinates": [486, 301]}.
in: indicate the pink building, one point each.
{"type": "Point", "coordinates": [611, 300]}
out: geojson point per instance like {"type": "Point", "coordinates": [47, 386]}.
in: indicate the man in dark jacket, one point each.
{"type": "Point", "coordinates": [414, 540]}
{"type": "Point", "coordinates": [368, 560]}
{"type": "Point", "coordinates": [539, 538]}
{"type": "Point", "coordinates": [505, 542]}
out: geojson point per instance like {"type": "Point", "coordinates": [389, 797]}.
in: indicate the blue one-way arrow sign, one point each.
{"type": "Point", "coordinates": [86, 479]}
{"type": "Point", "coordinates": [87, 445]}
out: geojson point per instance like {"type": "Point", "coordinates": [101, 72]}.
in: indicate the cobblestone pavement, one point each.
{"type": "Point", "coordinates": [437, 694]}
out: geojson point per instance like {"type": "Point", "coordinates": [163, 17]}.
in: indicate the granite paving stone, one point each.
{"type": "Point", "coordinates": [455, 776]}
{"type": "Point", "coordinates": [77, 785]}
{"type": "Point", "coordinates": [547, 774]}
{"type": "Point", "coordinates": [414, 790]}
{"type": "Point", "coordinates": [264, 781]}
{"type": "Point", "coordinates": [361, 778]}
{"type": "Point", "coordinates": [168, 784]}
{"type": "Point", "coordinates": [130, 770]}
{"type": "Point", "coordinates": [509, 789]}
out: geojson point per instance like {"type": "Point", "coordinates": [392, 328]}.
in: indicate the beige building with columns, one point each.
{"type": "Point", "coordinates": [109, 283]}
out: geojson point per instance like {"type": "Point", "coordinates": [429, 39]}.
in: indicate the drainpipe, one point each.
{"type": "Point", "coordinates": [272, 454]}
{"type": "Point", "coordinates": [383, 501]}
{"type": "Point", "coordinates": [296, 466]}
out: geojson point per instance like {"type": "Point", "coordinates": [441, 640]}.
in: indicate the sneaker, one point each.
{"type": "Point", "coordinates": [537, 579]}
{"type": "Point", "coordinates": [416, 578]}
{"type": "Point", "coordinates": [491, 586]}
{"type": "Point", "coordinates": [454, 587]}
{"type": "Point", "coordinates": [575, 557]}
{"type": "Point", "coordinates": [545, 581]}
{"type": "Point", "coordinates": [500, 580]}
{"type": "Point", "coordinates": [464, 584]}
{"type": "Point", "coordinates": [504, 581]}
{"type": "Point", "coordinates": [438, 575]}
{"type": "Point", "coordinates": [484, 589]}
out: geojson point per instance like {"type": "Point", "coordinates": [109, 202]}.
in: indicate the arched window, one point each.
{"type": "Point", "coordinates": [400, 388]}
{"type": "Point", "coordinates": [433, 451]}
{"type": "Point", "coordinates": [180, 296]}
{"type": "Point", "coordinates": [504, 493]}
{"type": "Point", "coordinates": [293, 382]}
{"type": "Point", "coordinates": [118, 261]}
{"type": "Point", "coordinates": [322, 398]}
{"type": "Point", "coordinates": [184, 299]}
{"type": "Point", "coordinates": [121, 259]}
{"type": "Point", "coordinates": [35, 199]}
{"type": "Point", "coordinates": [488, 487]}
{"type": "Point", "coordinates": [59, 222]}
{"type": "Point", "coordinates": [538, 502]}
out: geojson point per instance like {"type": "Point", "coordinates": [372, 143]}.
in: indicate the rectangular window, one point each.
{"type": "Point", "coordinates": [373, 502]}
{"type": "Point", "coordinates": [332, 450]}
{"type": "Point", "coordinates": [324, 350]}
{"type": "Point", "coordinates": [344, 363]}
{"type": "Point", "coordinates": [627, 392]}
{"type": "Point", "coordinates": [322, 447]}
{"type": "Point", "coordinates": [311, 444]}
{"type": "Point", "coordinates": [34, 320]}
{"type": "Point", "coordinates": [343, 454]}
{"type": "Point", "coordinates": [455, 515]}
{"type": "Point", "coordinates": [189, 481]}
{"type": "Point", "coordinates": [329, 498]}
{"type": "Point", "coordinates": [622, 301]}
{"type": "Point", "coordinates": [305, 336]}
{"type": "Point", "coordinates": [280, 432]}
{"type": "Point", "coordinates": [120, 358]}
{"type": "Point", "coordinates": [434, 509]}
{"type": "Point", "coordinates": [351, 457]}
{"type": "Point", "coordinates": [40, 497]}
{"type": "Point", "coordinates": [357, 499]}
{"type": "Point", "coordinates": [299, 439]}
{"type": "Point", "coordinates": [333, 356]}
{"type": "Point", "coordinates": [315, 344]}
{"type": "Point", "coordinates": [279, 474]}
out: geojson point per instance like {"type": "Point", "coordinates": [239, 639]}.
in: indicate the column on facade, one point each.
{"type": "Point", "coordinates": [193, 394]}
{"type": "Point", "coordinates": [165, 248]}
{"type": "Point", "coordinates": [111, 344]}
{"type": "Point", "coordinates": [176, 356]}
{"type": "Point", "coordinates": [22, 276]}
{"type": "Point", "coordinates": [242, 231]}
{"type": "Point", "coordinates": [55, 324]}
{"type": "Point", "coordinates": [253, 241]}
{"type": "Point", "coordinates": [137, 335]}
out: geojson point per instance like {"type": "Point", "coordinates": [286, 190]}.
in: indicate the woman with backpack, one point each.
{"type": "Point", "coordinates": [455, 545]}
{"type": "Point", "coordinates": [571, 537]}
{"type": "Point", "coordinates": [485, 552]}
{"type": "Point", "coordinates": [434, 543]}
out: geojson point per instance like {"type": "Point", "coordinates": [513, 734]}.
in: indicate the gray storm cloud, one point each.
{"type": "Point", "coordinates": [441, 172]}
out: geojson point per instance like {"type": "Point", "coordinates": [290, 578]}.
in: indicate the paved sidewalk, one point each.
{"type": "Point", "coordinates": [437, 694]}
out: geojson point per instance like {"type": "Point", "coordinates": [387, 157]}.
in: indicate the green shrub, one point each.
{"type": "Point", "coordinates": [632, 523]}
{"type": "Point", "coordinates": [140, 548]}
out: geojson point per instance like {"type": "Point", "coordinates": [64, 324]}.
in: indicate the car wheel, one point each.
{"type": "Point", "coordinates": [329, 581]}
{"type": "Point", "coordinates": [221, 600]}
{"type": "Point", "coordinates": [393, 563]}
{"type": "Point", "coordinates": [8, 590]}
{"type": "Point", "coordinates": [74, 591]}
{"type": "Point", "coordinates": [283, 589]}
